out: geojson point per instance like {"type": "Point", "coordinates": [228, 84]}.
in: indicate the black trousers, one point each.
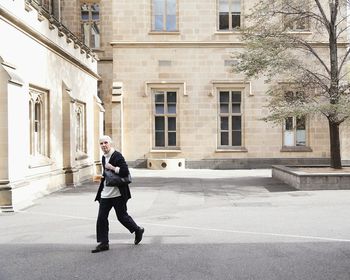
{"type": "Point", "coordinates": [102, 225]}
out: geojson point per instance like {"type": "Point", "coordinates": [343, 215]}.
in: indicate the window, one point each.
{"type": "Point", "coordinates": [90, 24]}
{"type": "Point", "coordinates": [294, 132]}
{"type": "Point", "coordinates": [230, 118]}
{"type": "Point", "coordinates": [293, 24]}
{"type": "Point", "coordinates": [165, 120]}
{"type": "Point", "coordinates": [296, 17]}
{"type": "Point", "coordinates": [50, 6]}
{"type": "Point", "coordinates": [294, 128]}
{"type": "Point", "coordinates": [229, 14]}
{"type": "Point", "coordinates": [38, 123]}
{"type": "Point", "coordinates": [164, 15]}
{"type": "Point", "coordinates": [80, 128]}
{"type": "Point", "coordinates": [55, 9]}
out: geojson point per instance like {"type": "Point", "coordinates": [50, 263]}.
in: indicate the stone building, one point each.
{"type": "Point", "coordinates": [162, 70]}
{"type": "Point", "coordinates": [169, 93]}
{"type": "Point", "coordinates": [51, 116]}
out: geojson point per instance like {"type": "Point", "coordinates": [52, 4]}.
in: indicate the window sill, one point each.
{"type": "Point", "coordinates": [164, 33]}
{"type": "Point", "coordinates": [296, 149]}
{"type": "Point", "coordinates": [300, 32]}
{"type": "Point", "coordinates": [228, 32]}
{"type": "Point", "coordinates": [231, 150]}
{"type": "Point", "coordinates": [175, 150]}
{"type": "Point", "coordinates": [39, 161]}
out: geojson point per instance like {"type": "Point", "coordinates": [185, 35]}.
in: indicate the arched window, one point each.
{"type": "Point", "coordinates": [90, 24]}
{"type": "Point", "coordinates": [80, 128]}
{"type": "Point", "coordinates": [38, 122]}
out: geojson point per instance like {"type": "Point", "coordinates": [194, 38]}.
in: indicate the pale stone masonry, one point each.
{"type": "Point", "coordinates": [51, 117]}
{"type": "Point", "coordinates": [194, 60]}
{"type": "Point", "coordinates": [160, 94]}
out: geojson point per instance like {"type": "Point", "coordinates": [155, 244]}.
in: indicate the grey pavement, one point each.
{"type": "Point", "coordinates": [199, 224]}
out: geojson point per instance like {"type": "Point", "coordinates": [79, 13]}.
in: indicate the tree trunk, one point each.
{"type": "Point", "coordinates": [334, 145]}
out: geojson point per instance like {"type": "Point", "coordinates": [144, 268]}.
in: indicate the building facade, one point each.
{"type": "Point", "coordinates": [169, 91]}
{"type": "Point", "coordinates": [156, 75]}
{"type": "Point", "coordinates": [51, 116]}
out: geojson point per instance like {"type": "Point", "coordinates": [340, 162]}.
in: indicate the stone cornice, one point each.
{"type": "Point", "coordinates": [178, 44]}
{"type": "Point", "coordinates": [40, 38]}
{"type": "Point", "coordinates": [199, 44]}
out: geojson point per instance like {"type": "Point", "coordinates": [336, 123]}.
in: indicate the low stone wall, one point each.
{"type": "Point", "coordinates": [166, 163]}
{"type": "Point", "coordinates": [302, 180]}
{"type": "Point", "coordinates": [238, 163]}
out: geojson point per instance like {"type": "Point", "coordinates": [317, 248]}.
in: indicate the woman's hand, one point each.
{"type": "Point", "coordinates": [111, 167]}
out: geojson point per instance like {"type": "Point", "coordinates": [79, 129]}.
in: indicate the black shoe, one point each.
{"type": "Point", "coordinates": [100, 247]}
{"type": "Point", "coordinates": [138, 235]}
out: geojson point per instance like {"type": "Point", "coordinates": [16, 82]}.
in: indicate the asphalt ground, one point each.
{"type": "Point", "coordinates": [199, 224]}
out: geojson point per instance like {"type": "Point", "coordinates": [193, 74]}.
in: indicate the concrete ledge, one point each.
{"type": "Point", "coordinates": [239, 163]}
{"type": "Point", "coordinates": [248, 163]}
{"type": "Point", "coordinates": [166, 163]}
{"type": "Point", "coordinates": [302, 180]}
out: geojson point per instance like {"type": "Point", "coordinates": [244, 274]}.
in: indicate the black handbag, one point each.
{"type": "Point", "coordinates": [112, 179]}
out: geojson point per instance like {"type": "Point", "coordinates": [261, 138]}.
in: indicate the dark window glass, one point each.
{"type": "Point", "coordinates": [172, 124]}
{"type": "Point", "coordinates": [95, 11]}
{"type": "Point", "coordinates": [301, 125]}
{"type": "Point", "coordinates": [236, 21]}
{"type": "Point", "coordinates": [236, 96]}
{"type": "Point", "coordinates": [165, 125]}
{"type": "Point", "coordinates": [224, 138]}
{"type": "Point", "coordinates": [172, 138]}
{"type": "Point", "coordinates": [171, 97]}
{"type": "Point", "coordinates": [236, 138]}
{"type": "Point", "coordinates": [289, 123]}
{"type": "Point", "coordinates": [223, 21]}
{"type": "Point", "coordinates": [224, 123]}
{"type": "Point", "coordinates": [224, 97]}
{"type": "Point", "coordinates": [224, 108]}
{"type": "Point", "coordinates": [159, 109]}
{"type": "Point", "coordinates": [236, 123]}
{"type": "Point", "coordinates": [236, 108]}
{"type": "Point", "coordinates": [159, 98]}
{"type": "Point", "coordinates": [160, 139]}
{"type": "Point", "coordinates": [160, 124]}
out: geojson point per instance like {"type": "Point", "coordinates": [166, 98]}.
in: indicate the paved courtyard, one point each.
{"type": "Point", "coordinates": [200, 224]}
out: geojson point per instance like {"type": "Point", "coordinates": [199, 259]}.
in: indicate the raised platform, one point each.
{"type": "Point", "coordinates": [304, 178]}
{"type": "Point", "coordinates": [166, 163]}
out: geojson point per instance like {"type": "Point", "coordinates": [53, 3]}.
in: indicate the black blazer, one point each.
{"type": "Point", "coordinates": [116, 159]}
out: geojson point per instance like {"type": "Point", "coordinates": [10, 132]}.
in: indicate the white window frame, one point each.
{"type": "Point", "coordinates": [230, 14]}
{"type": "Point", "coordinates": [229, 115]}
{"type": "Point", "coordinates": [164, 15]}
{"type": "Point", "coordinates": [290, 132]}
{"type": "Point", "coordinates": [166, 114]}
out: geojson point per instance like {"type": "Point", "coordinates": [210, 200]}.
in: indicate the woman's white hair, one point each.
{"type": "Point", "coordinates": [105, 138]}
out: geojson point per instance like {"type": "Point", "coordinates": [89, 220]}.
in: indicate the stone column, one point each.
{"type": "Point", "coordinates": [117, 115]}
{"type": "Point", "coordinates": [13, 139]}
{"type": "Point", "coordinates": [98, 131]}
{"type": "Point", "coordinates": [70, 170]}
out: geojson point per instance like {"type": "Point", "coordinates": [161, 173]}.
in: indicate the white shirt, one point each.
{"type": "Point", "coordinates": [109, 192]}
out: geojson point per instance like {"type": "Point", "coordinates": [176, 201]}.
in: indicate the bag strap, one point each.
{"type": "Point", "coordinates": [103, 162]}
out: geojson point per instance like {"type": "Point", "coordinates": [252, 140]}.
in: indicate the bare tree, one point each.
{"type": "Point", "coordinates": [304, 44]}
